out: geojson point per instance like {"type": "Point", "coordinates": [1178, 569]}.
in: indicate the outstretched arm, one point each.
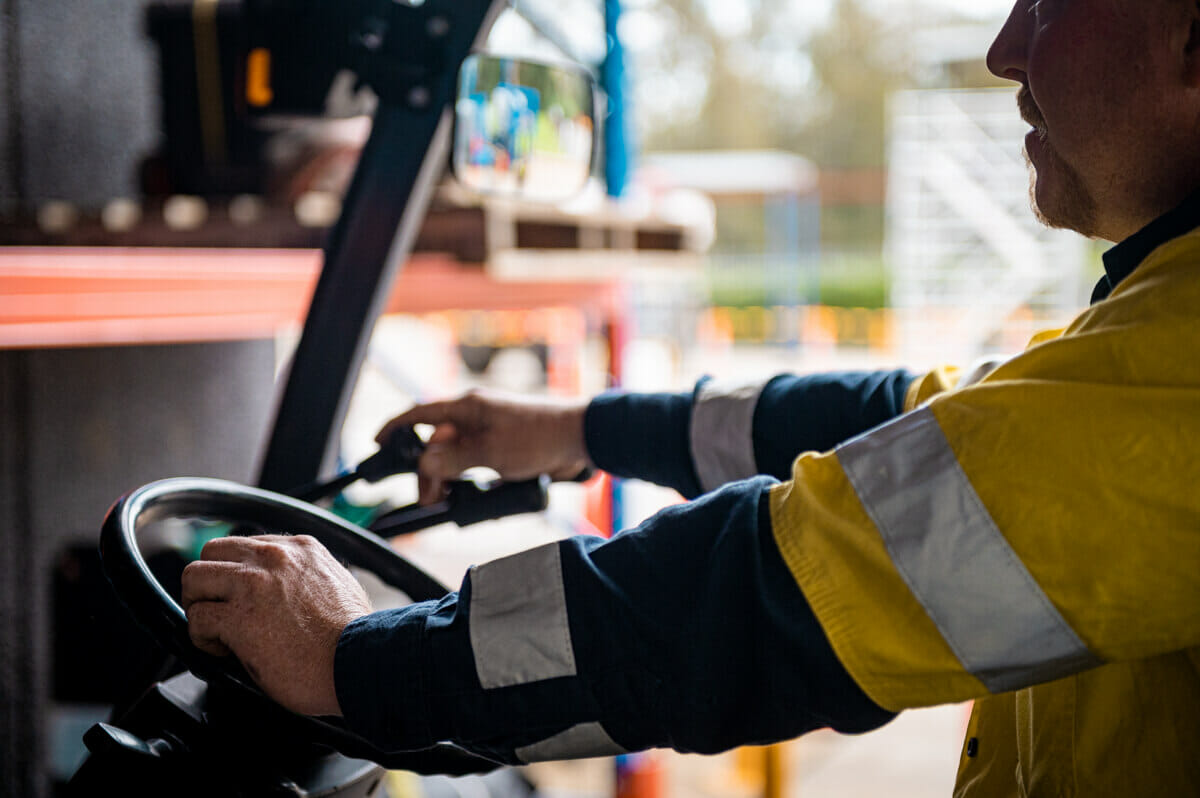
{"type": "Point", "coordinates": [693, 442]}
{"type": "Point", "coordinates": [688, 632]}
{"type": "Point", "coordinates": [723, 432]}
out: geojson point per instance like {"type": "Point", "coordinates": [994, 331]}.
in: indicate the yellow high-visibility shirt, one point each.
{"type": "Point", "coordinates": [1031, 541]}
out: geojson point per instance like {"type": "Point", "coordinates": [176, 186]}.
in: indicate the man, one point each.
{"type": "Point", "coordinates": [1026, 536]}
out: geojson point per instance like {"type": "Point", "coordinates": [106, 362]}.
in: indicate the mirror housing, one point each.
{"type": "Point", "coordinates": [524, 129]}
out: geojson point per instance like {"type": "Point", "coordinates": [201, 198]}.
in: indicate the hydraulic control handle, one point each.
{"type": "Point", "coordinates": [398, 454]}
{"type": "Point", "coordinates": [466, 503]}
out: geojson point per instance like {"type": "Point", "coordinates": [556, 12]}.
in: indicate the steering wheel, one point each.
{"type": "Point", "coordinates": [242, 506]}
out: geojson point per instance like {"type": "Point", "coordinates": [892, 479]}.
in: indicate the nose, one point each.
{"type": "Point", "coordinates": [1007, 55]}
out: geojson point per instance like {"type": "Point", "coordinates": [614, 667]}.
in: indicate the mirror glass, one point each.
{"type": "Point", "coordinates": [523, 129]}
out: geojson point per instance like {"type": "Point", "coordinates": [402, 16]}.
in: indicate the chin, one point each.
{"type": "Point", "coordinates": [1060, 199]}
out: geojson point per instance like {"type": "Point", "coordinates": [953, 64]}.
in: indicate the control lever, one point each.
{"type": "Point", "coordinates": [467, 502]}
{"type": "Point", "coordinates": [397, 455]}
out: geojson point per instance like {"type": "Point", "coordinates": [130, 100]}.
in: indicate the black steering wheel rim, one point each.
{"type": "Point", "coordinates": [158, 612]}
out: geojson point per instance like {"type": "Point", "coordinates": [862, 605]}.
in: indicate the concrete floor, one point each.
{"type": "Point", "coordinates": [915, 756]}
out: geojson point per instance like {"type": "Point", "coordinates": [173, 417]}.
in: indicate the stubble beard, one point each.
{"type": "Point", "coordinates": [1067, 204]}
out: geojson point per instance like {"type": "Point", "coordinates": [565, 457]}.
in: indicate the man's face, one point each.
{"type": "Point", "coordinates": [1097, 80]}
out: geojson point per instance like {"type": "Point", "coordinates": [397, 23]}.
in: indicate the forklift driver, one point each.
{"type": "Point", "coordinates": [856, 544]}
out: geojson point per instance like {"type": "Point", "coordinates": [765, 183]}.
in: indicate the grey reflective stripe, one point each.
{"type": "Point", "coordinates": [518, 619]}
{"type": "Point", "coordinates": [958, 564]}
{"type": "Point", "coordinates": [578, 742]}
{"type": "Point", "coordinates": [721, 433]}
{"type": "Point", "coordinates": [979, 370]}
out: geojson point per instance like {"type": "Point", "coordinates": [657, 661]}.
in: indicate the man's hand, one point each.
{"type": "Point", "coordinates": [516, 436]}
{"type": "Point", "coordinates": [280, 604]}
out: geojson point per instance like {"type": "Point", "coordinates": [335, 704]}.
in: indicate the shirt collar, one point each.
{"type": "Point", "coordinates": [1121, 260]}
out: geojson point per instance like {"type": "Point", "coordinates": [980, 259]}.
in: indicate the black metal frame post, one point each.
{"type": "Point", "coordinates": [387, 200]}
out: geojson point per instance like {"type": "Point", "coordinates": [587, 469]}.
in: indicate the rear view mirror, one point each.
{"type": "Point", "coordinates": [523, 129]}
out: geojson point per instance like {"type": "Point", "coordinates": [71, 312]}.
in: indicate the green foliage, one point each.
{"type": "Point", "coordinates": [857, 62]}
{"type": "Point", "coordinates": [849, 280]}
{"type": "Point", "coordinates": [852, 226]}
{"type": "Point", "coordinates": [834, 114]}
{"type": "Point", "coordinates": [854, 282]}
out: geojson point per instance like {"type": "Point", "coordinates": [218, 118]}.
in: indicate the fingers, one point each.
{"type": "Point", "coordinates": [461, 411]}
{"type": "Point", "coordinates": [206, 619]}
{"type": "Point", "coordinates": [211, 581]}
{"type": "Point", "coordinates": [446, 433]}
{"type": "Point", "coordinates": [453, 446]}
{"type": "Point", "coordinates": [430, 489]}
{"type": "Point", "coordinates": [225, 567]}
{"type": "Point", "coordinates": [208, 585]}
{"type": "Point", "coordinates": [279, 604]}
{"type": "Point", "coordinates": [230, 549]}
{"type": "Point", "coordinates": [446, 461]}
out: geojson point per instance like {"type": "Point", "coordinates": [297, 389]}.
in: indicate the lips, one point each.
{"type": "Point", "coordinates": [1035, 140]}
{"type": "Point", "coordinates": [1034, 144]}
{"type": "Point", "coordinates": [1030, 111]}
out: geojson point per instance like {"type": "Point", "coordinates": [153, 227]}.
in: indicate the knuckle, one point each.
{"type": "Point", "coordinates": [274, 554]}
{"type": "Point", "coordinates": [475, 403]}
{"type": "Point", "coordinates": [190, 571]}
{"type": "Point", "coordinates": [307, 542]}
{"type": "Point", "coordinates": [253, 581]}
{"type": "Point", "coordinates": [212, 548]}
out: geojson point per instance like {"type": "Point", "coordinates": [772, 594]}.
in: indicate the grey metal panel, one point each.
{"type": "Point", "coordinates": [109, 419]}
{"type": "Point", "coordinates": [19, 718]}
{"type": "Point", "coordinates": [88, 98]}
{"type": "Point", "coordinates": [78, 427]}
{"type": "Point", "coordinates": [8, 86]}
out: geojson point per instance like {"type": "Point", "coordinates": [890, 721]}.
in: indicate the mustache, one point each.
{"type": "Point", "coordinates": [1029, 110]}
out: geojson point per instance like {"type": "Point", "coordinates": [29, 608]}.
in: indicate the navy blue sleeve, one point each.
{"type": "Point", "coordinates": [647, 436]}
{"type": "Point", "coordinates": [817, 412]}
{"type": "Point", "coordinates": [687, 632]}
{"type": "Point", "coordinates": [643, 436]}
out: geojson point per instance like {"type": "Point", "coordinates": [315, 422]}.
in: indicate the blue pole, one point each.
{"type": "Point", "coordinates": [618, 143]}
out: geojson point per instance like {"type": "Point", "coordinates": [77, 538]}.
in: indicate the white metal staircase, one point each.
{"type": "Point", "coordinates": [966, 254]}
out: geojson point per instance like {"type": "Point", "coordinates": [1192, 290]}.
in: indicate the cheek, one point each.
{"type": "Point", "coordinates": [1077, 98]}
{"type": "Point", "coordinates": [1086, 63]}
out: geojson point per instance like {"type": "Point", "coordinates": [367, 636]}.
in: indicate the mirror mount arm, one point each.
{"type": "Point", "coordinates": [402, 50]}
{"type": "Point", "coordinates": [381, 215]}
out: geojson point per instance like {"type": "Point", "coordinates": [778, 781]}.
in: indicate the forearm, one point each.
{"type": "Point", "coordinates": [695, 442]}
{"type": "Point", "coordinates": [643, 436]}
{"type": "Point", "coordinates": [688, 632]}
